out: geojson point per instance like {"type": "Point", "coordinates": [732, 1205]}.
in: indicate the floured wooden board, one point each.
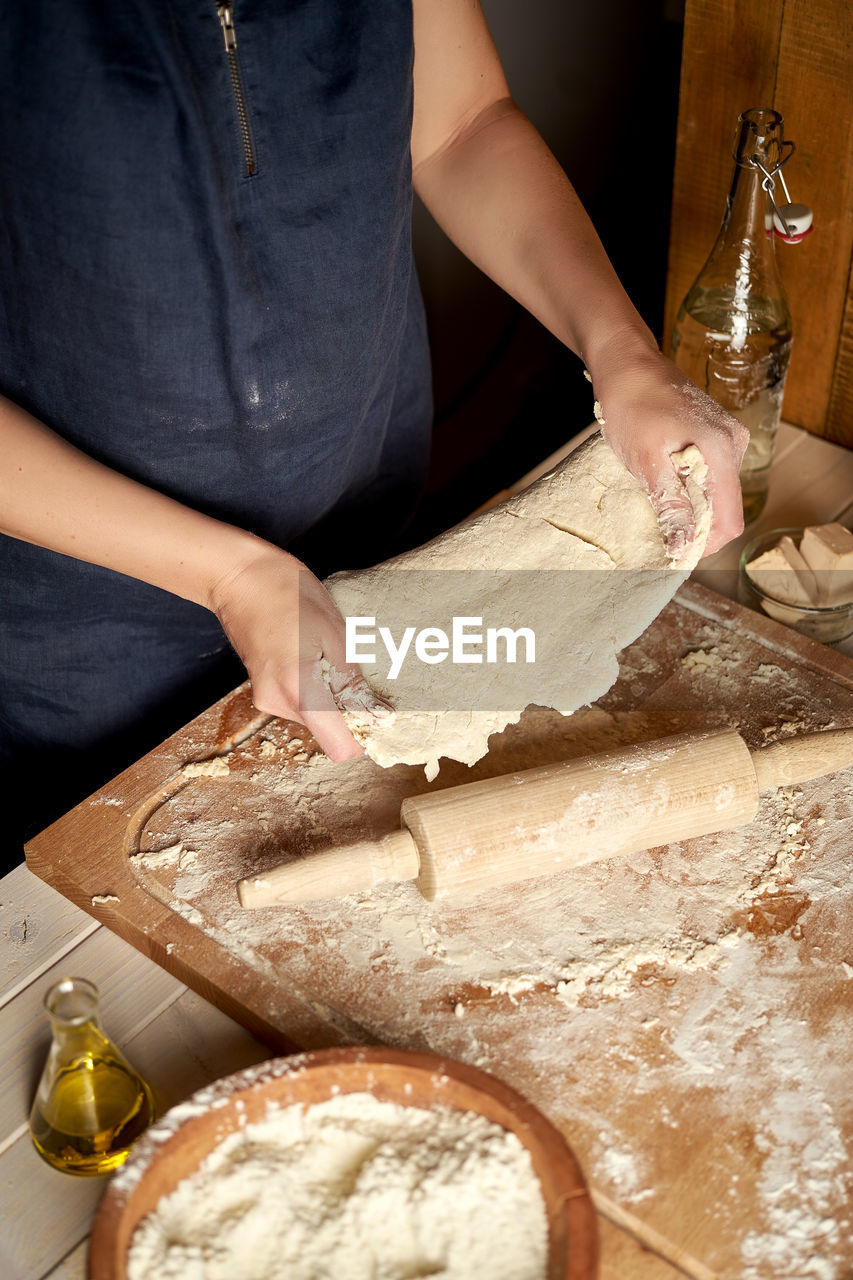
{"type": "Point", "coordinates": [684, 1014]}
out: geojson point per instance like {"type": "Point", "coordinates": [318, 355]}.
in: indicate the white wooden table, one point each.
{"type": "Point", "coordinates": [179, 1042]}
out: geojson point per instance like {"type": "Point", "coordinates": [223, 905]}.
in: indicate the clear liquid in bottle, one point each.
{"type": "Point", "coordinates": [739, 354]}
{"type": "Point", "coordinates": [732, 336]}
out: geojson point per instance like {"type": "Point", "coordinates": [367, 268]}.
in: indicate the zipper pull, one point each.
{"type": "Point", "coordinates": [226, 21]}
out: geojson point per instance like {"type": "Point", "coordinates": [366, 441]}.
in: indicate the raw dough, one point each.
{"type": "Point", "coordinates": [578, 558]}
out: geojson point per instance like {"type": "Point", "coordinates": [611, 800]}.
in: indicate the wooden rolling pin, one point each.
{"type": "Point", "coordinates": [459, 841]}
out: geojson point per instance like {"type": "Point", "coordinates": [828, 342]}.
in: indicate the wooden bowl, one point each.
{"type": "Point", "coordinates": [176, 1146]}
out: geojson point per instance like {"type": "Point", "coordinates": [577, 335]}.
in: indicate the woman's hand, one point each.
{"type": "Point", "coordinates": [650, 411]}
{"type": "Point", "coordinates": [290, 636]}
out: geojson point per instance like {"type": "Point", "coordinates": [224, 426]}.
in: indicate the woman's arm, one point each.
{"type": "Point", "coordinates": [496, 189]}
{"type": "Point", "coordinates": [276, 614]}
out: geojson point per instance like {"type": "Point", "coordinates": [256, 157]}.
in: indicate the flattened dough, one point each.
{"type": "Point", "coordinates": [578, 557]}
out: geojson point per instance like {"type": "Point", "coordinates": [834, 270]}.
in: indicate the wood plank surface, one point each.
{"type": "Point", "coordinates": [27, 1040]}
{"type": "Point", "coordinates": [841, 396]}
{"type": "Point", "coordinates": [649, 1050]}
{"type": "Point", "coordinates": [37, 927]}
{"type": "Point", "coordinates": [174, 943]}
{"type": "Point", "coordinates": [624, 1254]}
{"type": "Point", "coordinates": [73, 1265]}
{"type": "Point", "coordinates": [42, 1211]}
{"type": "Point", "coordinates": [623, 1257]}
{"type": "Point", "coordinates": [184, 1046]}
{"type": "Point", "coordinates": [814, 72]}
{"type": "Point", "coordinates": [728, 65]}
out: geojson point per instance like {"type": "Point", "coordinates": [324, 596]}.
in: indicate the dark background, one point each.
{"type": "Point", "coordinates": [600, 82]}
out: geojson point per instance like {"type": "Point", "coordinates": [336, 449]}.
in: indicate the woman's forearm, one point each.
{"type": "Point", "coordinates": [57, 497]}
{"type": "Point", "coordinates": [501, 196]}
{"type": "Point", "coordinates": [278, 617]}
{"type": "Point", "coordinates": [495, 187]}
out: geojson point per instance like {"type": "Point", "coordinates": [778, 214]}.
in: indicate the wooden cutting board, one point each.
{"type": "Point", "coordinates": [685, 1015]}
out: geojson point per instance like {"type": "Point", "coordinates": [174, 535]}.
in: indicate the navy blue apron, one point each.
{"type": "Point", "coordinates": [206, 282]}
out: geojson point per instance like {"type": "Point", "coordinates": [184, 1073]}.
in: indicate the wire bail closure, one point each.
{"type": "Point", "coordinates": [792, 222]}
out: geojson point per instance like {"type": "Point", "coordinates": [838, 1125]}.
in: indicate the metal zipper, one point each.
{"type": "Point", "coordinates": [225, 10]}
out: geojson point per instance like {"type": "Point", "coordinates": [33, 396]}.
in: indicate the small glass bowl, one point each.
{"type": "Point", "coordinates": [829, 624]}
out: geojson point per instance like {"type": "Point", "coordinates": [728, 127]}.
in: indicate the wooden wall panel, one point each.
{"type": "Point", "coordinates": [728, 59]}
{"type": "Point", "coordinates": [840, 414]}
{"type": "Point", "coordinates": [814, 92]}
{"type": "Point", "coordinates": [794, 55]}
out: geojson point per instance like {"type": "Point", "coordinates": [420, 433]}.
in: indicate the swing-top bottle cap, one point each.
{"type": "Point", "coordinates": [760, 143]}
{"type": "Point", "coordinates": [794, 224]}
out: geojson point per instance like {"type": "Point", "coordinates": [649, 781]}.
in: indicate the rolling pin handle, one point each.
{"type": "Point", "coordinates": [809, 755]}
{"type": "Point", "coordinates": [335, 872]}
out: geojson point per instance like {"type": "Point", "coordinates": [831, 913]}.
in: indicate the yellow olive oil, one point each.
{"type": "Point", "coordinates": [91, 1105]}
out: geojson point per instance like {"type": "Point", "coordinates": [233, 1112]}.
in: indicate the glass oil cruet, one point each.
{"type": "Point", "coordinates": [732, 335]}
{"type": "Point", "coordinates": [90, 1106]}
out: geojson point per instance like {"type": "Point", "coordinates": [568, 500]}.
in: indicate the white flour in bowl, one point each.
{"type": "Point", "coordinates": [357, 1189]}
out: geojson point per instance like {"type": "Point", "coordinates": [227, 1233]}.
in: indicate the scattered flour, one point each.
{"type": "Point", "coordinates": [621, 1166]}
{"type": "Point", "coordinates": [156, 859]}
{"type": "Point", "coordinates": [804, 1174]}
{"type": "Point", "coordinates": [699, 989]}
{"type": "Point", "coordinates": [706, 661]}
{"type": "Point", "coordinates": [215, 768]}
{"type": "Point", "coordinates": [174, 855]}
{"type": "Point", "coordinates": [353, 1188]}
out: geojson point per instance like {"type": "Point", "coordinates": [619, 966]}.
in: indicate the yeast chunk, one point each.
{"type": "Point", "coordinates": [828, 551]}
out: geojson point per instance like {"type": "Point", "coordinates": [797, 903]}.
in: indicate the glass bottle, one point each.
{"type": "Point", "coordinates": [732, 336]}
{"type": "Point", "coordinates": [90, 1106]}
